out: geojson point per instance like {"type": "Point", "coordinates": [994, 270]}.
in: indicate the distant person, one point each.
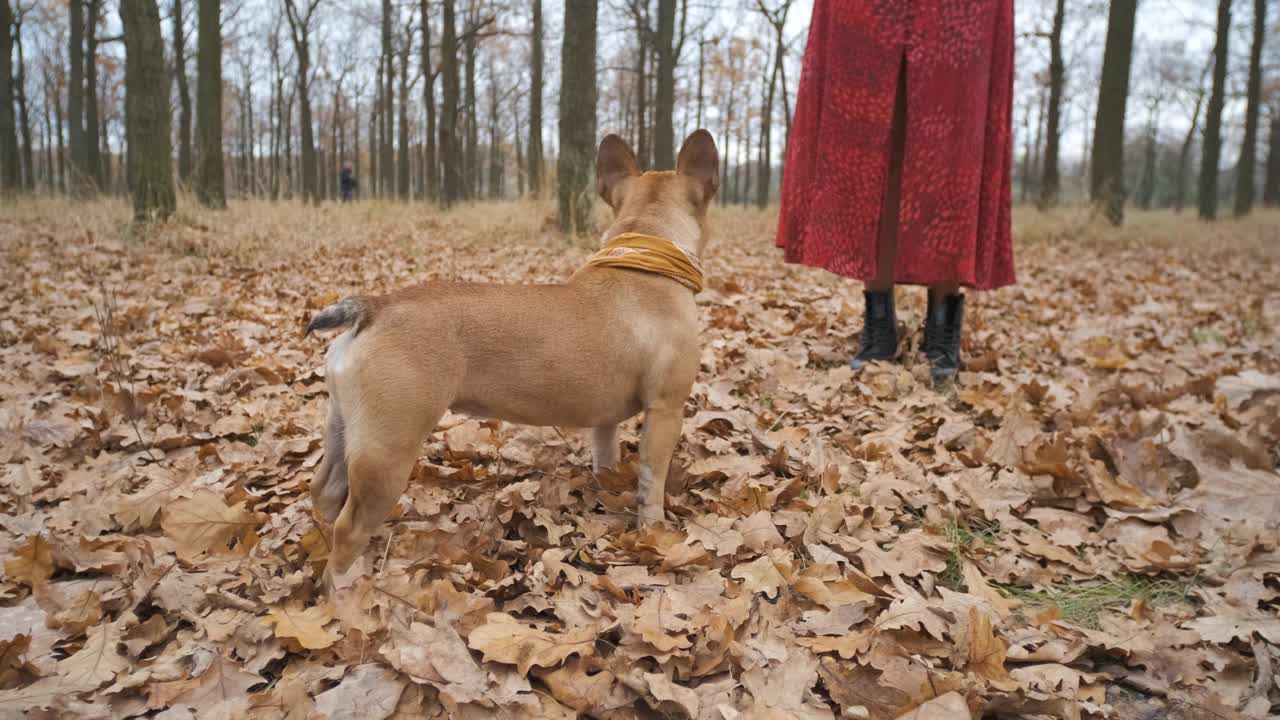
{"type": "Point", "coordinates": [899, 159]}
{"type": "Point", "coordinates": [347, 182]}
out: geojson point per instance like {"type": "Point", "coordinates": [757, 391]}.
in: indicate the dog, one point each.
{"type": "Point", "coordinates": [619, 338]}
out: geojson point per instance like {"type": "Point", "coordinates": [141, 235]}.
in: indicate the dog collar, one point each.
{"type": "Point", "coordinates": [652, 254]}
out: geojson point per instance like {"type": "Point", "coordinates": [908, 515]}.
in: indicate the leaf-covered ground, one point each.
{"type": "Point", "coordinates": [1084, 527]}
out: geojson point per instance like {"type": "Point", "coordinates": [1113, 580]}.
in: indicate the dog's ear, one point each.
{"type": "Point", "coordinates": [614, 163]}
{"type": "Point", "coordinates": [699, 159]}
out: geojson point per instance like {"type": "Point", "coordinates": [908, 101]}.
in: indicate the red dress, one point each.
{"type": "Point", "coordinates": [954, 212]}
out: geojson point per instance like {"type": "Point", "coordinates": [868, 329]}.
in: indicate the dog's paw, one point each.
{"type": "Point", "coordinates": [337, 581]}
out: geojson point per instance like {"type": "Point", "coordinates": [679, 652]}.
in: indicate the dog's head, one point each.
{"type": "Point", "coordinates": [671, 204]}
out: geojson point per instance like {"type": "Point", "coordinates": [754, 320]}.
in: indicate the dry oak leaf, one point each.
{"type": "Point", "coordinates": [97, 662]}
{"type": "Point", "coordinates": [766, 573]}
{"type": "Point", "coordinates": [944, 707]}
{"type": "Point", "coordinates": [986, 650]}
{"type": "Point", "coordinates": [216, 681]}
{"type": "Point", "coordinates": [1229, 625]}
{"type": "Point", "coordinates": [306, 625]}
{"type": "Point", "coordinates": [32, 563]}
{"type": "Point", "coordinates": [368, 692]}
{"type": "Point", "coordinates": [204, 523]}
{"type": "Point", "coordinates": [504, 639]}
{"type": "Point", "coordinates": [715, 532]}
{"type": "Point", "coordinates": [584, 691]}
{"type": "Point", "coordinates": [437, 657]}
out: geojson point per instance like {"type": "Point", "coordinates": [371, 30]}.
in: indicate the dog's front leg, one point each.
{"type": "Point", "coordinates": [604, 447]}
{"type": "Point", "coordinates": [661, 433]}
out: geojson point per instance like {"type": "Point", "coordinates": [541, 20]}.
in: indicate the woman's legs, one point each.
{"type": "Point", "coordinates": [946, 304]}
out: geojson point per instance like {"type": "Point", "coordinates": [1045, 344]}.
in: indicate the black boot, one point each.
{"type": "Point", "coordinates": [942, 336]}
{"type": "Point", "coordinates": [879, 330]}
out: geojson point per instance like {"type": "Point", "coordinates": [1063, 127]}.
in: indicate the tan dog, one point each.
{"type": "Point", "coordinates": [592, 352]}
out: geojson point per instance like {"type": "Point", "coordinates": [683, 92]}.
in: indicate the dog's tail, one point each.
{"type": "Point", "coordinates": [347, 311]}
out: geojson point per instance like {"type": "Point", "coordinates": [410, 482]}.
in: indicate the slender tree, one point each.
{"type": "Point", "coordinates": [210, 184]}
{"type": "Point", "coordinates": [429, 161]}
{"type": "Point", "coordinates": [402, 160]}
{"type": "Point", "coordinates": [93, 128]}
{"type": "Point", "coordinates": [10, 179]}
{"type": "Point", "coordinates": [386, 149]}
{"type": "Point", "coordinates": [1106, 177]}
{"type": "Point", "coordinates": [577, 115]}
{"type": "Point", "coordinates": [534, 150]}
{"type": "Point", "coordinates": [777, 19]}
{"type": "Point", "coordinates": [1184, 156]}
{"type": "Point", "coordinates": [148, 111]}
{"type": "Point", "coordinates": [496, 168]}
{"type": "Point", "coordinates": [184, 93]}
{"type": "Point", "coordinates": [451, 158]}
{"type": "Point", "coordinates": [80, 175]}
{"type": "Point", "coordinates": [20, 92]}
{"type": "Point", "coordinates": [1213, 120]}
{"type": "Point", "coordinates": [1271, 188]}
{"type": "Point", "coordinates": [1051, 182]}
{"type": "Point", "coordinates": [1249, 148]}
{"type": "Point", "coordinates": [300, 30]}
{"type": "Point", "coordinates": [664, 153]}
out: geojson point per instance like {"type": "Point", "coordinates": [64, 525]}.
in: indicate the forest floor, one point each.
{"type": "Point", "coordinates": [1085, 526]}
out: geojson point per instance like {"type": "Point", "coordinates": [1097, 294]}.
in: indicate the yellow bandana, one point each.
{"type": "Point", "coordinates": [650, 254]}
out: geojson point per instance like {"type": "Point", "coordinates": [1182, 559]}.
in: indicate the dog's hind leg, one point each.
{"type": "Point", "coordinates": [604, 447]}
{"type": "Point", "coordinates": [381, 451]}
{"type": "Point", "coordinates": [329, 486]}
{"type": "Point", "coordinates": [662, 422]}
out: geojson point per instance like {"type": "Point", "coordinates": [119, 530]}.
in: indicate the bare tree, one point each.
{"type": "Point", "coordinates": [777, 18]}
{"type": "Point", "coordinates": [429, 161]}
{"type": "Point", "coordinates": [300, 29]}
{"type": "Point", "coordinates": [577, 115]}
{"type": "Point", "coordinates": [10, 181]}
{"type": "Point", "coordinates": [93, 128]}
{"type": "Point", "coordinates": [534, 150]}
{"type": "Point", "coordinates": [1249, 148]}
{"type": "Point", "coordinates": [210, 185]}
{"type": "Point", "coordinates": [148, 116]}
{"type": "Point", "coordinates": [1213, 121]}
{"type": "Point", "coordinates": [184, 93]}
{"type": "Point", "coordinates": [1184, 156]}
{"type": "Point", "coordinates": [1051, 183]}
{"type": "Point", "coordinates": [1106, 177]}
{"type": "Point", "coordinates": [1271, 188]}
{"type": "Point", "coordinates": [451, 158]}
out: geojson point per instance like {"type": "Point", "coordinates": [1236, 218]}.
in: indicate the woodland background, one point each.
{"type": "Point", "coordinates": [1085, 525]}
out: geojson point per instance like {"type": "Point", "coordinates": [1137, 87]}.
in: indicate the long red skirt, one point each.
{"type": "Point", "coordinates": [954, 212]}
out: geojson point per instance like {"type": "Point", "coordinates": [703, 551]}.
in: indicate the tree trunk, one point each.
{"type": "Point", "coordinates": [1249, 148]}
{"type": "Point", "coordinates": [495, 150]}
{"type": "Point", "coordinates": [728, 128]}
{"type": "Point", "coordinates": [702, 65]}
{"type": "Point", "coordinates": [1212, 148]}
{"type": "Point", "coordinates": [10, 178]}
{"type": "Point", "coordinates": [92, 127]}
{"type": "Point", "coordinates": [429, 104]}
{"type": "Point", "coordinates": [79, 171]}
{"type": "Point", "coordinates": [1106, 177]}
{"type": "Point", "coordinates": [209, 181]}
{"type": "Point", "coordinates": [664, 157]}
{"type": "Point", "coordinates": [184, 93]}
{"type": "Point", "coordinates": [1184, 156]}
{"type": "Point", "coordinates": [1051, 181]}
{"type": "Point", "coordinates": [55, 98]}
{"type": "Point", "coordinates": [449, 146]}
{"type": "Point", "coordinates": [577, 116]}
{"type": "Point", "coordinates": [386, 161]}
{"type": "Point", "coordinates": [642, 114]}
{"type": "Point", "coordinates": [50, 147]}
{"type": "Point", "coordinates": [520, 166]}
{"type": "Point", "coordinates": [24, 117]}
{"type": "Point", "coordinates": [402, 167]}
{"type": "Point", "coordinates": [1271, 188]}
{"type": "Point", "coordinates": [534, 150]}
{"type": "Point", "coordinates": [1147, 181]}
{"type": "Point", "coordinates": [472, 162]}
{"type": "Point", "coordinates": [148, 111]}
{"type": "Point", "coordinates": [766, 130]}
{"type": "Point", "coordinates": [300, 29]}
{"type": "Point", "coordinates": [288, 146]}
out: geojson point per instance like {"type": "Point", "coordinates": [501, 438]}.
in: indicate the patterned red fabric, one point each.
{"type": "Point", "coordinates": [954, 212]}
